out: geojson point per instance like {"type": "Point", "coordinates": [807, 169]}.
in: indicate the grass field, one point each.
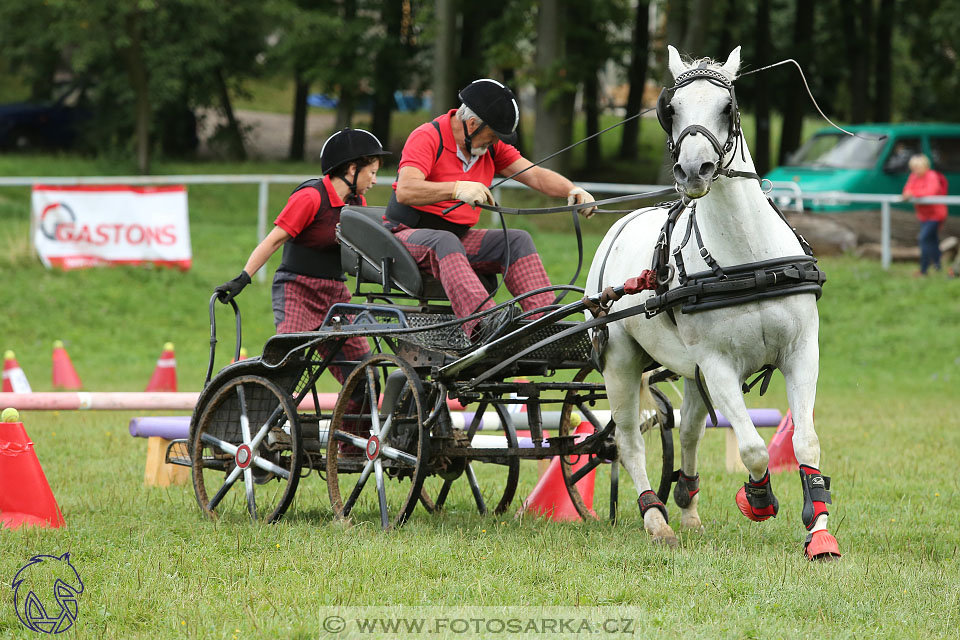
{"type": "Point", "coordinates": [887, 416]}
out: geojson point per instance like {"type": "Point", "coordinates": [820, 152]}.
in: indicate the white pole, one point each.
{"type": "Point", "coordinates": [885, 233]}
{"type": "Point", "coordinates": [262, 222]}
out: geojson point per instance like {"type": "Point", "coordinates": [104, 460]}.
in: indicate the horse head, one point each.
{"type": "Point", "coordinates": [700, 115]}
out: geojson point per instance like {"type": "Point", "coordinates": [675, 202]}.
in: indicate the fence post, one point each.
{"type": "Point", "coordinates": [885, 233]}
{"type": "Point", "coordinates": [262, 222]}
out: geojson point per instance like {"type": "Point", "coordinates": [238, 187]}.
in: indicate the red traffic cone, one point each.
{"type": "Point", "coordinates": [243, 355]}
{"type": "Point", "coordinates": [64, 375]}
{"type": "Point", "coordinates": [165, 375]}
{"type": "Point", "coordinates": [782, 457]}
{"type": "Point", "coordinates": [14, 380]}
{"type": "Point", "coordinates": [550, 497]}
{"type": "Point", "coordinates": [25, 496]}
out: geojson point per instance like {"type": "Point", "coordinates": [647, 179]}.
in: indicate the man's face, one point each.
{"type": "Point", "coordinates": [367, 177]}
{"type": "Point", "coordinates": [483, 140]}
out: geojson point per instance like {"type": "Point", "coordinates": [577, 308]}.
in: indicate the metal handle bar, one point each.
{"type": "Point", "coordinates": [213, 333]}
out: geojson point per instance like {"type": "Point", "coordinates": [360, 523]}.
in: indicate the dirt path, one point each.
{"type": "Point", "coordinates": [267, 135]}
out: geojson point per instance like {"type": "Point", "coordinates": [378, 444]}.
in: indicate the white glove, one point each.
{"type": "Point", "coordinates": [473, 193]}
{"type": "Point", "coordinates": [578, 195]}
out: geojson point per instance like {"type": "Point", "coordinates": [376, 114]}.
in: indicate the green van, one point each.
{"type": "Point", "coordinates": [834, 161]}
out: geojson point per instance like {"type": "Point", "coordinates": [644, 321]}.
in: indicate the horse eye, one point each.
{"type": "Point", "coordinates": [727, 109]}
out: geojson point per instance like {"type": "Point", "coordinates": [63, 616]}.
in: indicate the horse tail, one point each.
{"type": "Point", "coordinates": [648, 404]}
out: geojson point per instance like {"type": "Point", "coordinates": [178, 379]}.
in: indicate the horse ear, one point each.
{"type": "Point", "coordinates": [675, 64]}
{"type": "Point", "coordinates": [732, 65]}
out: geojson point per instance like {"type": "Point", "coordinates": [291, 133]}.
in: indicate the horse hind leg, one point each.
{"type": "Point", "coordinates": [621, 373]}
{"type": "Point", "coordinates": [686, 493]}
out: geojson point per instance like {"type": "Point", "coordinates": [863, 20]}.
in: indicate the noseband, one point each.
{"type": "Point", "coordinates": [665, 113]}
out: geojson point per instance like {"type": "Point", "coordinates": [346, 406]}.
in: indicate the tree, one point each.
{"type": "Point", "coordinates": [761, 146]}
{"type": "Point", "coordinates": [882, 72]}
{"type": "Point", "coordinates": [555, 91]}
{"type": "Point", "coordinates": [637, 77]}
{"type": "Point", "coordinates": [792, 105]}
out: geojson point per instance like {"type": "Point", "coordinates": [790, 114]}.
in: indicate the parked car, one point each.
{"type": "Point", "coordinates": [34, 125]}
{"type": "Point", "coordinates": [834, 161]}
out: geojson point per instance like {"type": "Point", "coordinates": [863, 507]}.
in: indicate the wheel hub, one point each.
{"type": "Point", "coordinates": [373, 448]}
{"type": "Point", "coordinates": [243, 456]}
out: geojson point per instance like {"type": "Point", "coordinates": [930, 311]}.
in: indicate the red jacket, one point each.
{"type": "Point", "coordinates": [929, 183]}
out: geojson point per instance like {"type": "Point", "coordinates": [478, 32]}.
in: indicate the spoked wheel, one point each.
{"type": "Point", "coordinates": [248, 431]}
{"type": "Point", "coordinates": [658, 440]}
{"type": "Point", "coordinates": [492, 481]}
{"type": "Point", "coordinates": [388, 444]}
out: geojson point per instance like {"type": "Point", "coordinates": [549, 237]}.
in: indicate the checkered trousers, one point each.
{"type": "Point", "coordinates": [300, 303]}
{"type": "Point", "coordinates": [457, 261]}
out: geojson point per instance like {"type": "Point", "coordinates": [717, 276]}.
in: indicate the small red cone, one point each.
{"type": "Point", "coordinates": [782, 457]}
{"type": "Point", "coordinates": [165, 375]}
{"type": "Point", "coordinates": [14, 380]}
{"type": "Point", "coordinates": [550, 497]}
{"type": "Point", "coordinates": [64, 375]}
{"type": "Point", "coordinates": [243, 355]}
{"type": "Point", "coordinates": [25, 496]}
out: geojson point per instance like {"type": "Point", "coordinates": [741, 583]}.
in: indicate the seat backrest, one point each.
{"type": "Point", "coordinates": [364, 239]}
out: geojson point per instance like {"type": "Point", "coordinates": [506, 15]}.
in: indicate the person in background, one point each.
{"type": "Point", "coordinates": [310, 278]}
{"type": "Point", "coordinates": [449, 163]}
{"type": "Point", "coordinates": [924, 181]}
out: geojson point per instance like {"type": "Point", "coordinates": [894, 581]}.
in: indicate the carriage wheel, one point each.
{"type": "Point", "coordinates": [497, 475]}
{"type": "Point", "coordinates": [388, 444]}
{"type": "Point", "coordinates": [659, 467]}
{"type": "Point", "coordinates": [249, 431]}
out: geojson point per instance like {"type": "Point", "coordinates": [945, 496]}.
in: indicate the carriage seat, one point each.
{"type": "Point", "coordinates": [364, 245]}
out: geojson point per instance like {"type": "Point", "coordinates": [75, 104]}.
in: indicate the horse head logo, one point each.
{"type": "Point", "coordinates": [46, 592]}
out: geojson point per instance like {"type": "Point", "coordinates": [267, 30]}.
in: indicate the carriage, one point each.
{"type": "Point", "coordinates": [261, 421]}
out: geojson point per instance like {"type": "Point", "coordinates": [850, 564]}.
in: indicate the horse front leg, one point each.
{"type": "Point", "coordinates": [755, 499]}
{"type": "Point", "coordinates": [800, 374]}
{"type": "Point", "coordinates": [622, 374]}
{"type": "Point", "coordinates": [693, 415]}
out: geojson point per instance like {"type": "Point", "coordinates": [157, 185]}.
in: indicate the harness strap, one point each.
{"type": "Point", "coordinates": [704, 252]}
{"type": "Point", "coordinates": [654, 196]}
{"type": "Point", "coordinates": [698, 376]}
{"type": "Point", "coordinates": [764, 375]}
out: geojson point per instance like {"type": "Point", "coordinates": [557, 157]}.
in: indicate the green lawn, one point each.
{"type": "Point", "coordinates": [887, 416]}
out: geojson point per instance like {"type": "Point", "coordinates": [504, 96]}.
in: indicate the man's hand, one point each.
{"type": "Point", "coordinates": [473, 193]}
{"type": "Point", "coordinates": [578, 195]}
{"type": "Point", "coordinates": [232, 288]}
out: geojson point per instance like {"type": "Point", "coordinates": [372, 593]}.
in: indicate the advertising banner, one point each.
{"type": "Point", "coordinates": [85, 226]}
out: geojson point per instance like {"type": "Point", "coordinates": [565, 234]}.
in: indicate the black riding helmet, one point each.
{"type": "Point", "coordinates": [495, 105]}
{"type": "Point", "coordinates": [346, 146]}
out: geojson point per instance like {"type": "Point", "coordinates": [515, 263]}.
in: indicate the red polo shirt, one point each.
{"type": "Point", "coordinates": [420, 151]}
{"type": "Point", "coordinates": [311, 221]}
{"type": "Point", "coordinates": [931, 183]}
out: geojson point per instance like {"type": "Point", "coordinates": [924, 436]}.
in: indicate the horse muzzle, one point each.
{"type": "Point", "coordinates": [695, 181]}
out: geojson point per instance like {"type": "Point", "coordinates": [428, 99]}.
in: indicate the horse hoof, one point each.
{"type": "Point", "coordinates": [666, 541]}
{"type": "Point", "coordinates": [822, 547]}
{"type": "Point", "coordinates": [747, 510]}
{"type": "Point", "coordinates": [692, 524]}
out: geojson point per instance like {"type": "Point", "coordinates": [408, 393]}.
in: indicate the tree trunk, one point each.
{"type": "Point", "coordinates": [793, 101]}
{"type": "Point", "coordinates": [695, 39]}
{"type": "Point", "coordinates": [761, 147]}
{"type": "Point", "coordinates": [729, 34]}
{"type": "Point", "coordinates": [637, 77]}
{"type": "Point", "coordinates": [349, 90]}
{"type": "Point", "coordinates": [298, 137]}
{"type": "Point", "coordinates": [591, 107]}
{"type": "Point", "coordinates": [509, 76]}
{"type": "Point", "coordinates": [386, 73]}
{"type": "Point", "coordinates": [137, 72]}
{"type": "Point", "coordinates": [444, 57]}
{"type": "Point", "coordinates": [885, 19]}
{"type": "Point", "coordinates": [677, 11]}
{"type": "Point", "coordinates": [553, 127]}
{"type": "Point", "coordinates": [857, 17]}
{"type": "Point", "coordinates": [235, 135]}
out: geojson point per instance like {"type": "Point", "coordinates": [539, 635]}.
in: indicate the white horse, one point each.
{"type": "Point", "coordinates": [737, 226]}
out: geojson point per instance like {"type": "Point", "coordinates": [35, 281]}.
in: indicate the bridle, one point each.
{"type": "Point", "coordinates": [665, 116]}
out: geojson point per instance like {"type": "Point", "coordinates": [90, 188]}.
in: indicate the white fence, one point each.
{"type": "Point", "coordinates": [788, 193]}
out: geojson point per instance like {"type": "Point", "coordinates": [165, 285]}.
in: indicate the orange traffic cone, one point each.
{"type": "Point", "coordinates": [165, 375]}
{"type": "Point", "coordinates": [550, 497]}
{"type": "Point", "coordinates": [782, 457]}
{"type": "Point", "coordinates": [64, 375]}
{"type": "Point", "coordinates": [14, 380]}
{"type": "Point", "coordinates": [243, 355]}
{"type": "Point", "coordinates": [25, 496]}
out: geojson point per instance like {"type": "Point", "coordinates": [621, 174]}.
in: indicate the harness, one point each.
{"type": "Point", "coordinates": [307, 261]}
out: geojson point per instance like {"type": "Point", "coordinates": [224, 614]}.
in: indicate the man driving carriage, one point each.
{"type": "Point", "coordinates": [451, 162]}
{"type": "Point", "coordinates": [310, 278]}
